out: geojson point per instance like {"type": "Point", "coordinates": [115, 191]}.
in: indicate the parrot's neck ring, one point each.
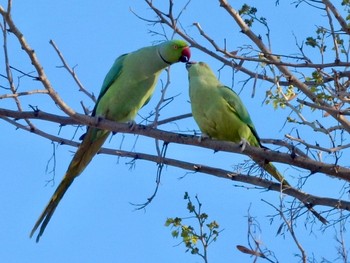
{"type": "Point", "coordinates": [164, 60]}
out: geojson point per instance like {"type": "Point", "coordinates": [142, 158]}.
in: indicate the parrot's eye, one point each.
{"type": "Point", "coordinates": [175, 47]}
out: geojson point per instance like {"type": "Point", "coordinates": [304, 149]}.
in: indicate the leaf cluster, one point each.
{"type": "Point", "coordinates": [198, 237]}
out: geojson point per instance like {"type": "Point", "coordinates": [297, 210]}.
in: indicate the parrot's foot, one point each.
{"type": "Point", "coordinates": [203, 137]}
{"type": "Point", "coordinates": [132, 124]}
{"type": "Point", "coordinates": [243, 143]}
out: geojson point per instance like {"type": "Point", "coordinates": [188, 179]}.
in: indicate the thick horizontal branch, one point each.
{"type": "Point", "coordinates": [266, 184]}
{"type": "Point", "coordinates": [170, 137]}
{"type": "Point", "coordinates": [243, 178]}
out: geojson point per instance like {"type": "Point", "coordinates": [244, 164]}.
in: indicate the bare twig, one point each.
{"type": "Point", "coordinates": [335, 45]}
{"type": "Point", "coordinates": [36, 63]}
{"type": "Point", "coordinates": [23, 93]}
{"type": "Point", "coordinates": [8, 68]}
{"type": "Point", "coordinates": [72, 72]}
{"type": "Point", "coordinates": [340, 238]}
{"type": "Point", "coordinates": [172, 119]}
{"type": "Point", "coordinates": [161, 100]}
{"type": "Point", "coordinates": [254, 241]}
{"type": "Point", "coordinates": [317, 147]}
{"type": "Point", "coordinates": [327, 109]}
{"type": "Point", "coordinates": [290, 227]}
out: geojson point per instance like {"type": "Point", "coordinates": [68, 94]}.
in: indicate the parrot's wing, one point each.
{"type": "Point", "coordinates": [237, 107]}
{"type": "Point", "coordinates": [111, 76]}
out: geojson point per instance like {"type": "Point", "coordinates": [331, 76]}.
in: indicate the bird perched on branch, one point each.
{"type": "Point", "coordinates": [220, 114]}
{"type": "Point", "coordinates": [127, 87]}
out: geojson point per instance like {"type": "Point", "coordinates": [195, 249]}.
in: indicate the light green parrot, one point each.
{"type": "Point", "coordinates": [127, 87]}
{"type": "Point", "coordinates": [220, 114]}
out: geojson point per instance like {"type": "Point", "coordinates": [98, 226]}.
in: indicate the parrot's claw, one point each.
{"type": "Point", "coordinates": [243, 143]}
{"type": "Point", "coordinates": [132, 124]}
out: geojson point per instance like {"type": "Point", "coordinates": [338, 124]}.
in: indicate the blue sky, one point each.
{"type": "Point", "coordinates": [95, 220]}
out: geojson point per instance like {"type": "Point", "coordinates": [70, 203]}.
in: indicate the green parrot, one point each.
{"type": "Point", "coordinates": [127, 87]}
{"type": "Point", "coordinates": [220, 114]}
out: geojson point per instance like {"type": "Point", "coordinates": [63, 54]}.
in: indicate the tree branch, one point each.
{"type": "Point", "coordinates": [35, 62]}
{"type": "Point", "coordinates": [243, 178]}
{"type": "Point", "coordinates": [72, 72]}
{"type": "Point", "coordinates": [336, 14]}
{"type": "Point", "coordinates": [286, 72]}
{"type": "Point", "coordinates": [254, 152]}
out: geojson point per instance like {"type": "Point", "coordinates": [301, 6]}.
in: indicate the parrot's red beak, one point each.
{"type": "Point", "coordinates": [185, 55]}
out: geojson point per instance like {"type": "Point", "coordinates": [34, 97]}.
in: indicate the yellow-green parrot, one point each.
{"type": "Point", "coordinates": [127, 87]}
{"type": "Point", "coordinates": [220, 114]}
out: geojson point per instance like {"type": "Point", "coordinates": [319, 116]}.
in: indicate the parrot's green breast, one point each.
{"type": "Point", "coordinates": [218, 119]}
{"type": "Point", "coordinates": [218, 110]}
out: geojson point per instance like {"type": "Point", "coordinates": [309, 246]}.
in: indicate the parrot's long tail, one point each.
{"type": "Point", "coordinates": [92, 142]}
{"type": "Point", "coordinates": [271, 169]}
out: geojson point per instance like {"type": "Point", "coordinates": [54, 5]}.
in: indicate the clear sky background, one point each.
{"type": "Point", "coordinates": [95, 221]}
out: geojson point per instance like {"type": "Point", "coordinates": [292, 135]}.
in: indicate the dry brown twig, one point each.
{"type": "Point", "coordinates": [42, 77]}
{"type": "Point", "coordinates": [72, 72]}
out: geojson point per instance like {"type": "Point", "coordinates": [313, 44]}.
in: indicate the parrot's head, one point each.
{"type": "Point", "coordinates": [174, 51]}
{"type": "Point", "coordinates": [196, 69]}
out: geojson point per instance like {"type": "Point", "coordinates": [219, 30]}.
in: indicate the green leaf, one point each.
{"type": "Point", "coordinates": [175, 233]}
{"type": "Point", "coordinates": [190, 207]}
{"type": "Point", "coordinates": [213, 225]}
{"type": "Point", "coordinates": [169, 221]}
{"type": "Point", "coordinates": [194, 251]}
{"type": "Point", "coordinates": [203, 216]}
{"type": "Point", "coordinates": [310, 41]}
{"type": "Point", "coordinates": [244, 9]}
{"type": "Point", "coordinates": [177, 221]}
